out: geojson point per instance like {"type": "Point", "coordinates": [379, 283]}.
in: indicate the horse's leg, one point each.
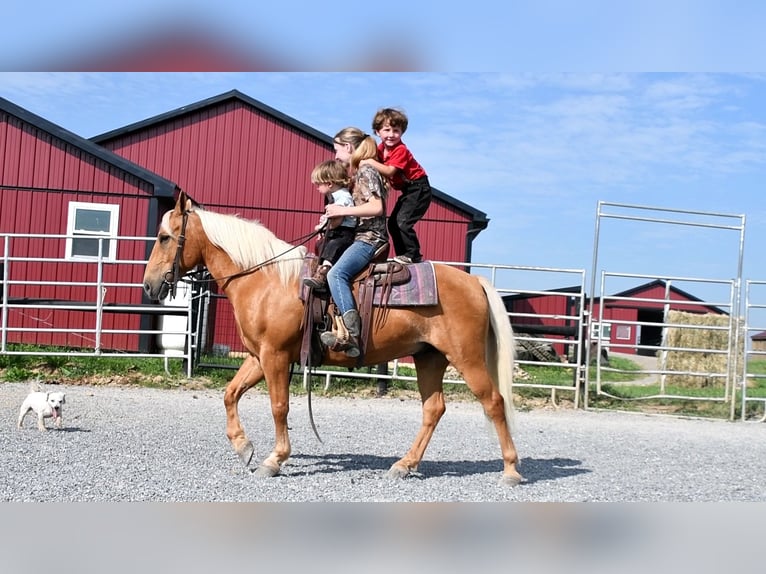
{"type": "Point", "coordinates": [478, 379]}
{"type": "Point", "coordinates": [247, 376]}
{"type": "Point", "coordinates": [278, 380]}
{"type": "Point", "coordinates": [430, 366]}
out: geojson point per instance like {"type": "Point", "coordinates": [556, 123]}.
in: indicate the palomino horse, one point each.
{"type": "Point", "coordinates": [261, 276]}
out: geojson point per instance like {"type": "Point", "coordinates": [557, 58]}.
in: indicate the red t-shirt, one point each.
{"type": "Point", "coordinates": [401, 158]}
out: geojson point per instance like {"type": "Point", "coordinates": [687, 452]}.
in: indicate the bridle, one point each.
{"type": "Point", "coordinates": [173, 275]}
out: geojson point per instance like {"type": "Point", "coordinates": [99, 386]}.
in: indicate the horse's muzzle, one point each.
{"type": "Point", "coordinates": [156, 292]}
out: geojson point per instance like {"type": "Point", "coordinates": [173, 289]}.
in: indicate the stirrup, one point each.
{"type": "Point", "coordinates": [338, 339]}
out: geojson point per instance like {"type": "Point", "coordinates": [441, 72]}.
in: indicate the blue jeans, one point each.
{"type": "Point", "coordinates": [354, 259]}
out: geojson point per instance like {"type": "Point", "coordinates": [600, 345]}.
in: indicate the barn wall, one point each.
{"type": "Point", "coordinates": [235, 158]}
{"type": "Point", "coordinates": [545, 305]}
{"type": "Point", "coordinates": [33, 159]}
{"type": "Point", "coordinates": [39, 176]}
{"type": "Point", "coordinates": [230, 155]}
{"type": "Point", "coordinates": [621, 334]}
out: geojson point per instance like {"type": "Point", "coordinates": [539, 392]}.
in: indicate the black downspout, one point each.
{"type": "Point", "coordinates": [475, 227]}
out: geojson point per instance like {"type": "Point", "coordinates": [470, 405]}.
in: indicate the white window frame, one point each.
{"type": "Point", "coordinates": [622, 332]}
{"type": "Point", "coordinates": [72, 233]}
{"type": "Point", "coordinates": [597, 332]}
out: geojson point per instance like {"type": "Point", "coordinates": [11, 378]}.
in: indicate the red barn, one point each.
{"type": "Point", "coordinates": [543, 315]}
{"type": "Point", "coordinates": [230, 152]}
{"type": "Point", "coordinates": [54, 182]}
{"type": "Point", "coordinates": [234, 154]}
{"type": "Point", "coordinates": [564, 302]}
{"type": "Point", "coordinates": [646, 312]}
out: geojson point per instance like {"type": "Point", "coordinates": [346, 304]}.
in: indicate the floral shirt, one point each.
{"type": "Point", "coordinates": [368, 183]}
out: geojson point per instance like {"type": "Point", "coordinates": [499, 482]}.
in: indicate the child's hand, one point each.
{"type": "Point", "coordinates": [334, 210]}
{"type": "Point", "coordinates": [367, 161]}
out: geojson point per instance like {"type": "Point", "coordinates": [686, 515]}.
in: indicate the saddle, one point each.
{"type": "Point", "coordinates": [382, 277]}
{"type": "Point", "coordinates": [377, 278]}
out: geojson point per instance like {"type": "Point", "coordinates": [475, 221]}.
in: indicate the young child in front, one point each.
{"type": "Point", "coordinates": [397, 164]}
{"type": "Point", "coordinates": [332, 181]}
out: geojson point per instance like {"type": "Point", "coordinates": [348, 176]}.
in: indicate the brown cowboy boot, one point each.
{"type": "Point", "coordinates": [347, 341]}
{"type": "Point", "coordinates": [318, 281]}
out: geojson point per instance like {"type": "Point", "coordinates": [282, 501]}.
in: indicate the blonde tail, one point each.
{"type": "Point", "coordinates": [501, 348]}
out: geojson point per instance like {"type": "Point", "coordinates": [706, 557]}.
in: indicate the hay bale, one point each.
{"type": "Point", "coordinates": [702, 340]}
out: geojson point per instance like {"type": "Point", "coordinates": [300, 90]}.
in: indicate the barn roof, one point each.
{"type": "Point", "coordinates": [759, 336]}
{"type": "Point", "coordinates": [479, 220]}
{"type": "Point", "coordinates": [638, 290]}
{"type": "Point", "coordinates": [162, 187]}
{"type": "Point", "coordinates": [632, 292]}
{"type": "Point", "coordinates": [575, 289]}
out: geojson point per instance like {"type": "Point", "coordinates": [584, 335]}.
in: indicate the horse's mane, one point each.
{"type": "Point", "coordinates": [249, 243]}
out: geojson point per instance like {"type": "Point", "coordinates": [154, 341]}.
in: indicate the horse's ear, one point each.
{"type": "Point", "coordinates": [184, 202]}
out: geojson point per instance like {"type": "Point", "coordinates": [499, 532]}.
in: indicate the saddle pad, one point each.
{"type": "Point", "coordinates": [419, 290]}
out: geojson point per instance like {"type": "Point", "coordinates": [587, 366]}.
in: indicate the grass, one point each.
{"type": "Point", "coordinates": [565, 376]}
{"type": "Point", "coordinates": [88, 369]}
{"type": "Point", "coordinates": [617, 392]}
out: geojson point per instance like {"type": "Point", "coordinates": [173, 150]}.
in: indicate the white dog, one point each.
{"type": "Point", "coordinates": [46, 405]}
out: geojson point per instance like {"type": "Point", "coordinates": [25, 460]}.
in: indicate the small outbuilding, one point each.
{"type": "Point", "coordinates": [759, 341]}
{"type": "Point", "coordinates": [627, 306]}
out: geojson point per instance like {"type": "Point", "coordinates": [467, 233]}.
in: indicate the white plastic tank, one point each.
{"type": "Point", "coordinates": [172, 340]}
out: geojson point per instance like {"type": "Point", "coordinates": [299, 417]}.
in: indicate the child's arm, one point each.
{"type": "Point", "coordinates": [388, 171]}
{"type": "Point", "coordinates": [371, 208]}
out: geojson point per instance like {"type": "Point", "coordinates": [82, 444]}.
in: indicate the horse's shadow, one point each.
{"type": "Point", "coordinates": [533, 469]}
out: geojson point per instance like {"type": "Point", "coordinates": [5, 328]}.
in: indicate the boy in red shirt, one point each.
{"type": "Point", "coordinates": [405, 174]}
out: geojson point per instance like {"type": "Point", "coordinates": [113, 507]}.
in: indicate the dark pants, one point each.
{"type": "Point", "coordinates": [335, 242]}
{"type": "Point", "coordinates": [409, 209]}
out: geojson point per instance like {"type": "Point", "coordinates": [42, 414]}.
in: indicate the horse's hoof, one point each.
{"type": "Point", "coordinates": [398, 472]}
{"type": "Point", "coordinates": [246, 453]}
{"type": "Point", "coordinates": [510, 481]}
{"type": "Point", "coordinates": [266, 471]}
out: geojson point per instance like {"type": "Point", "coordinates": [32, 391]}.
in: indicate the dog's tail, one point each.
{"type": "Point", "coordinates": [35, 387]}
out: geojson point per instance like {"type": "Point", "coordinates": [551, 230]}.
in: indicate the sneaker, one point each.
{"type": "Point", "coordinates": [403, 259]}
{"type": "Point", "coordinates": [318, 281]}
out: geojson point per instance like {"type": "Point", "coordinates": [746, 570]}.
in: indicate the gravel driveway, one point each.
{"type": "Point", "coordinates": [135, 444]}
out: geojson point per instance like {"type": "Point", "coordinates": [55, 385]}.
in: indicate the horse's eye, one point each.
{"type": "Point", "coordinates": [164, 238]}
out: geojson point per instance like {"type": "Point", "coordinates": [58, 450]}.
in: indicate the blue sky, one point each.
{"type": "Point", "coordinates": [535, 152]}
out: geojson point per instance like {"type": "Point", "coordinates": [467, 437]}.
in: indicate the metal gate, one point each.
{"type": "Point", "coordinates": [755, 311]}
{"type": "Point", "coordinates": [691, 353]}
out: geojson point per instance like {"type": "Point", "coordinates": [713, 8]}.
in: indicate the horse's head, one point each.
{"type": "Point", "coordinates": [169, 259]}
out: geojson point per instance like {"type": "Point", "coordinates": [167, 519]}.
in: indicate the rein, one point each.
{"type": "Point", "coordinates": [300, 241]}
{"type": "Point", "coordinates": [172, 276]}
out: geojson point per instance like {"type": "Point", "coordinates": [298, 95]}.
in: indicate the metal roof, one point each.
{"type": "Point", "coordinates": [162, 187]}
